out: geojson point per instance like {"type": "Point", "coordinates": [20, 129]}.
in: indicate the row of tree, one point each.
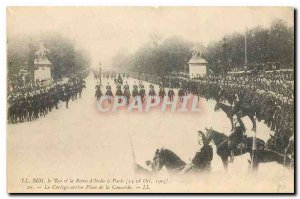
{"type": "Point", "coordinates": [264, 46]}
{"type": "Point", "coordinates": [66, 57]}
{"type": "Point", "coordinates": [156, 57]}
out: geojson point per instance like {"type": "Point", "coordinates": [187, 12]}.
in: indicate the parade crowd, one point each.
{"type": "Point", "coordinates": [270, 95]}
{"type": "Point", "coordinates": [28, 101]}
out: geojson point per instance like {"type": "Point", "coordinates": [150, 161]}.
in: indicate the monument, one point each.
{"type": "Point", "coordinates": [197, 65]}
{"type": "Point", "coordinates": [42, 65]}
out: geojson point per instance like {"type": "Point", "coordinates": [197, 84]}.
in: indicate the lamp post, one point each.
{"type": "Point", "coordinates": [246, 59]}
{"type": "Point", "coordinates": [224, 57]}
{"type": "Point", "coordinates": [100, 73]}
{"type": "Point", "coordinates": [139, 67]}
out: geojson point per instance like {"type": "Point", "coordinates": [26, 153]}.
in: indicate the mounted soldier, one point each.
{"type": "Point", "coordinates": [119, 93]}
{"type": "Point", "coordinates": [203, 157]}
{"type": "Point", "coordinates": [108, 92]}
{"type": "Point", "coordinates": [151, 86]}
{"type": "Point", "coordinates": [237, 137]}
{"type": "Point", "coordinates": [162, 92]}
{"type": "Point", "coordinates": [135, 87]}
{"type": "Point", "coordinates": [161, 85]}
{"type": "Point", "coordinates": [171, 93]}
{"type": "Point", "coordinates": [98, 93]}
{"type": "Point", "coordinates": [126, 86]}
{"type": "Point", "coordinates": [135, 92]}
{"type": "Point", "coordinates": [142, 92]}
{"type": "Point", "coordinates": [221, 94]}
{"type": "Point", "coordinates": [152, 93]}
{"type": "Point", "coordinates": [181, 92]}
{"type": "Point", "coordinates": [126, 92]}
{"type": "Point", "coordinates": [119, 79]}
{"type": "Point", "coordinates": [67, 93]}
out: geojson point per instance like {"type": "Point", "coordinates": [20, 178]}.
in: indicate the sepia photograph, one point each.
{"type": "Point", "coordinates": [150, 99]}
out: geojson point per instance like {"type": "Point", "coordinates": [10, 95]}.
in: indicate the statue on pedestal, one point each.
{"type": "Point", "coordinates": [41, 53]}
{"type": "Point", "coordinates": [42, 65]}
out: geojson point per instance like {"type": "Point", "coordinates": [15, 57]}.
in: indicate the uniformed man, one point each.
{"type": "Point", "coordinates": [236, 138]}
{"type": "Point", "coordinates": [203, 157]}
{"type": "Point", "coordinates": [126, 86]}
{"type": "Point", "coordinates": [97, 87]}
{"type": "Point", "coordinates": [142, 91]}
{"type": "Point", "coordinates": [108, 92]}
{"type": "Point", "coordinates": [151, 86]}
{"type": "Point", "coordinates": [135, 87]}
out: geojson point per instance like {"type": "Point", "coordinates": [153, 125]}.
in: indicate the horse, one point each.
{"type": "Point", "coordinates": [98, 94]}
{"type": "Point", "coordinates": [268, 155]}
{"type": "Point", "coordinates": [135, 94]}
{"type": "Point", "coordinates": [119, 94]}
{"type": "Point", "coordinates": [152, 94]}
{"type": "Point", "coordinates": [167, 158]}
{"type": "Point", "coordinates": [66, 95]}
{"type": "Point", "coordinates": [284, 157]}
{"type": "Point", "coordinates": [173, 163]}
{"type": "Point", "coordinates": [230, 113]}
{"type": "Point", "coordinates": [181, 93]}
{"type": "Point", "coordinates": [142, 95]}
{"type": "Point", "coordinates": [109, 94]}
{"type": "Point", "coordinates": [127, 95]}
{"type": "Point", "coordinates": [171, 94]}
{"type": "Point", "coordinates": [221, 142]}
{"type": "Point", "coordinates": [81, 88]}
{"type": "Point", "coordinates": [161, 94]}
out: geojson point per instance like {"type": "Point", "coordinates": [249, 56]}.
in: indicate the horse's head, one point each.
{"type": "Point", "coordinates": [209, 133]}
{"type": "Point", "coordinates": [217, 107]}
{"type": "Point", "coordinates": [158, 160]}
{"type": "Point", "coordinates": [205, 141]}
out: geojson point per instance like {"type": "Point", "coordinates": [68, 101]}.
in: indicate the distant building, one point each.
{"type": "Point", "coordinates": [42, 65]}
{"type": "Point", "coordinates": [197, 66]}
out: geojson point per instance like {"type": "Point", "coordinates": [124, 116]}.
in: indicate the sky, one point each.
{"type": "Point", "coordinates": [105, 31]}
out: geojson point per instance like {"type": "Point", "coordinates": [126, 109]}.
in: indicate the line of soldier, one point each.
{"type": "Point", "coordinates": [111, 75]}
{"type": "Point", "coordinates": [137, 90]}
{"type": "Point", "coordinates": [29, 102]}
{"type": "Point", "coordinates": [270, 95]}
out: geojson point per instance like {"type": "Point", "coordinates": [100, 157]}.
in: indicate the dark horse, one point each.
{"type": "Point", "coordinates": [142, 94]}
{"type": "Point", "coordinates": [262, 156]}
{"type": "Point", "coordinates": [166, 157]}
{"type": "Point", "coordinates": [162, 93]}
{"type": "Point", "coordinates": [284, 157]}
{"type": "Point", "coordinates": [127, 95]}
{"type": "Point", "coordinates": [230, 113]}
{"type": "Point", "coordinates": [135, 94]}
{"type": "Point", "coordinates": [221, 142]}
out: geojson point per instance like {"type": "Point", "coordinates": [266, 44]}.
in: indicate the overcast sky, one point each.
{"type": "Point", "coordinates": [103, 31]}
